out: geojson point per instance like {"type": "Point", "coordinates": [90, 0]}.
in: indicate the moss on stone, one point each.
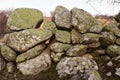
{"type": "Point", "coordinates": [23, 18]}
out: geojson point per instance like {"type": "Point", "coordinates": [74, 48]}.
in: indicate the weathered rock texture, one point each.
{"type": "Point", "coordinates": [24, 18]}
{"type": "Point", "coordinates": [71, 45]}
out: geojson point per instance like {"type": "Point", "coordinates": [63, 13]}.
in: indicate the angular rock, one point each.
{"type": "Point", "coordinates": [49, 25]}
{"type": "Point", "coordinates": [117, 17]}
{"type": "Point", "coordinates": [62, 17]}
{"type": "Point", "coordinates": [23, 40]}
{"type": "Point", "coordinates": [63, 36]}
{"type": "Point", "coordinates": [37, 64]}
{"type": "Point", "coordinates": [8, 53]}
{"type": "Point", "coordinates": [2, 64]}
{"type": "Point", "coordinates": [91, 39]}
{"type": "Point", "coordinates": [30, 53]}
{"type": "Point", "coordinates": [59, 47]}
{"type": "Point", "coordinates": [113, 28]}
{"type": "Point", "coordinates": [107, 38]}
{"type": "Point", "coordinates": [113, 50]}
{"type": "Point", "coordinates": [72, 65]}
{"type": "Point", "coordinates": [82, 20]}
{"type": "Point", "coordinates": [96, 28]}
{"type": "Point", "coordinates": [118, 41]}
{"type": "Point", "coordinates": [77, 50]}
{"type": "Point", "coordinates": [56, 56]}
{"type": "Point", "coordinates": [24, 18]}
{"type": "Point", "coordinates": [10, 67]}
{"type": "Point", "coordinates": [76, 37]}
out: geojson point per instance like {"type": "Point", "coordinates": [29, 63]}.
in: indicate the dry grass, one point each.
{"type": "Point", "coordinates": [105, 19]}
{"type": "Point", "coordinates": [3, 20]}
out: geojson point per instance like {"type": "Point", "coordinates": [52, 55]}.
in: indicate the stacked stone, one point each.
{"type": "Point", "coordinates": [72, 39]}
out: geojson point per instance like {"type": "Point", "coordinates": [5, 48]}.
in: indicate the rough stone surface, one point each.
{"type": "Point", "coordinates": [93, 76]}
{"type": "Point", "coordinates": [48, 25]}
{"type": "Point", "coordinates": [23, 40]}
{"type": "Point", "coordinates": [77, 50]}
{"type": "Point", "coordinates": [76, 37]}
{"type": "Point", "coordinates": [59, 47]}
{"type": "Point", "coordinates": [24, 18]}
{"type": "Point", "coordinates": [70, 66]}
{"type": "Point", "coordinates": [63, 36]}
{"type": "Point", "coordinates": [82, 20]}
{"type": "Point", "coordinates": [10, 67]}
{"type": "Point", "coordinates": [107, 38]}
{"type": "Point", "coordinates": [30, 53]}
{"type": "Point", "coordinates": [91, 39]}
{"type": "Point", "coordinates": [113, 28]}
{"type": "Point", "coordinates": [37, 64]}
{"type": "Point", "coordinates": [8, 53]}
{"type": "Point", "coordinates": [96, 28]}
{"type": "Point", "coordinates": [2, 63]}
{"type": "Point", "coordinates": [62, 17]}
{"type": "Point", "coordinates": [56, 56]}
{"type": "Point", "coordinates": [113, 50]}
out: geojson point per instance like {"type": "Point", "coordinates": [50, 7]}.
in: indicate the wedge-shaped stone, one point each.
{"type": "Point", "coordinates": [23, 40]}
{"type": "Point", "coordinates": [30, 53]}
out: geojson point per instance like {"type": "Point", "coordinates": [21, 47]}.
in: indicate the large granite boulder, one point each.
{"type": "Point", "coordinates": [37, 64]}
{"type": "Point", "coordinates": [62, 17]}
{"type": "Point", "coordinates": [31, 53]}
{"type": "Point", "coordinates": [82, 20]}
{"type": "Point", "coordinates": [24, 18]}
{"type": "Point", "coordinates": [70, 66]}
{"type": "Point", "coordinates": [24, 40]}
{"type": "Point", "coordinates": [8, 53]}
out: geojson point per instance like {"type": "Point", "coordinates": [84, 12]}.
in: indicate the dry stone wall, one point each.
{"type": "Point", "coordinates": [71, 45]}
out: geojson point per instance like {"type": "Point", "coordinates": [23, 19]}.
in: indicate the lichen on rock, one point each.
{"type": "Point", "coordinates": [8, 53]}
{"type": "Point", "coordinates": [37, 64]}
{"type": "Point", "coordinates": [24, 18]}
{"type": "Point", "coordinates": [71, 65]}
{"type": "Point", "coordinates": [24, 40]}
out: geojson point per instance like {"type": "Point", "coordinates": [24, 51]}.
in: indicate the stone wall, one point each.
{"type": "Point", "coordinates": [72, 45]}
